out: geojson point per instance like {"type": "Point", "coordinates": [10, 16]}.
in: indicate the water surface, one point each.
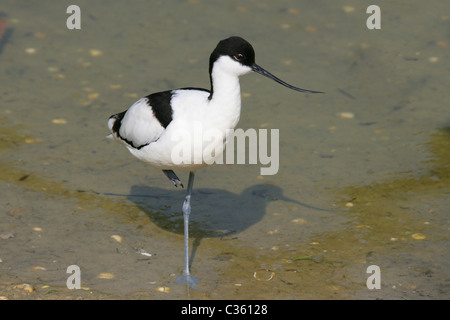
{"type": "Point", "coordinates": [364, 169]}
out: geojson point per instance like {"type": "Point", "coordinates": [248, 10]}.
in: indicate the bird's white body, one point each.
{"type": "Point", "coordinates": [198, 131]}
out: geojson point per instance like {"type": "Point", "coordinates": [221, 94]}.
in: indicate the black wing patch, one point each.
{"type": "Point", "coordinates": [116, 129]}
{"type": "Point", "coordinates": [162, 110]}
{"type": "Point", "coordinates": [161, 107]}
{"type": "Point", "coordinates": [117, 122]}
{"type": "Point", "coordinates": [160, 104]}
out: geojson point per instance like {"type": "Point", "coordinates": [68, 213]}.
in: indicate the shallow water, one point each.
{"type": "Point", "coordinates": [367, 187]}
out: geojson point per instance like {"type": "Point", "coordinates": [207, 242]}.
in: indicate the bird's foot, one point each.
{"type": "Point", "coordinates": [173, 177]}
{"type": "Point", "coordinates": [176, 183]}
{"type": "Point", "coordinates": [187, 278]}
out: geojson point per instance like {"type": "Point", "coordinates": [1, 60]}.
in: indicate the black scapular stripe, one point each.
{"type": "Point", "coordinates": [161, 107]}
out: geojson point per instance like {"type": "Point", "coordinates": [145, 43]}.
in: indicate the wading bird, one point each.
{"type": "Point", "coordinates": [152, 126]}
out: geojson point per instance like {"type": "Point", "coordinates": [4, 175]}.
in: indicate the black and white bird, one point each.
{"type": "Point", "coordinates": [154, 128]}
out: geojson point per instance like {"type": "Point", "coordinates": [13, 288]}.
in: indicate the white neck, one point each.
{"type": "Point", "coordinates": [225, 87]}
{"type": "Point", "coordinates": [226, 96]}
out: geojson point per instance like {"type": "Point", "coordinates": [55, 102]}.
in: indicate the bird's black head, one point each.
{"type": "Point", "coordinates": [236, 48]}
{"type": "Point", "coordinates": [237, 56]}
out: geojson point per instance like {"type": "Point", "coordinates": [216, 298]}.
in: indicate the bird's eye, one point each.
{"type": "Point", "coordinates": [238, 57]}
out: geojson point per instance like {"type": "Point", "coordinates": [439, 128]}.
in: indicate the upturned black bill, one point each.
{"type": "Point", "coordinates": [267, 74]}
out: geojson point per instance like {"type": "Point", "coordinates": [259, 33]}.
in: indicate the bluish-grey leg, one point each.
{"type": "Point", "coordinates": [187, 277]}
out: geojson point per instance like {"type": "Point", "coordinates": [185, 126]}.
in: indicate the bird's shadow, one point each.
{"type": "Point", "coordinates": [215, 212]}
